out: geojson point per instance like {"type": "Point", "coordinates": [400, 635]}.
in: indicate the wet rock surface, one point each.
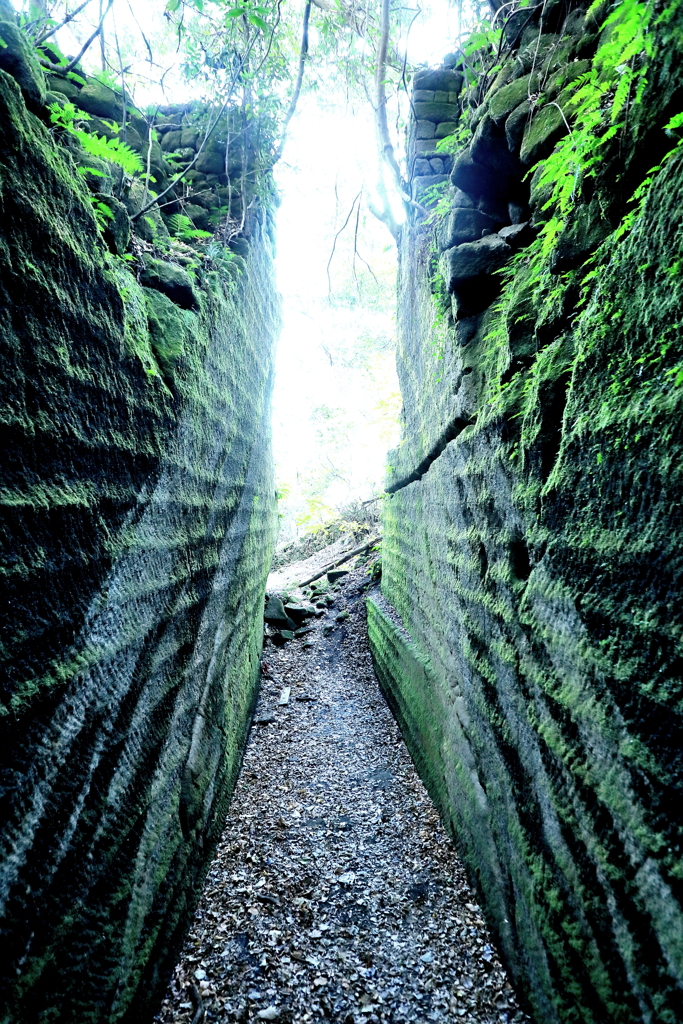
{"type": "Point", "coordinates": [335, 893]}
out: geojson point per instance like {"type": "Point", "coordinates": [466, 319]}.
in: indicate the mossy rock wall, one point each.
{"type": "Point", "coordinates": [138, 526]}
{"type": "Point", "coordinates": [529, 632]}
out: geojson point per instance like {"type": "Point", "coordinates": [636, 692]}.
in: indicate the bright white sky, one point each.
{"type": "Point", "coordinates": [327, 161]}
{"type": "Point", "coordinates": [336, 395]}
{"type": "Point", "coordinates": [329, 158]}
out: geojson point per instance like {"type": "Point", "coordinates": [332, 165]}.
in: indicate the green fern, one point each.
{"type": "Point", "coordinates": [182, 227]}
{"type": "Point", "coordinates": [113, 150]}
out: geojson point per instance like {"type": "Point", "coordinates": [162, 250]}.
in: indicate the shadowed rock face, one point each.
{"type": "Point", "coordinates": [529, 636]}
{"type": "Point", "coordinates": [137, 527]}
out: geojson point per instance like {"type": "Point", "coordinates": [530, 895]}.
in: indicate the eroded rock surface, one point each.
{"type": "Point", "coordinates": [529, 635]}
{"type": "Point", "coordinates": [137, 528]}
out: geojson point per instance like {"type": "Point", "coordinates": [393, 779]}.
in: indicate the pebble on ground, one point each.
{"type": "Point", "coordinates": [335, 893]}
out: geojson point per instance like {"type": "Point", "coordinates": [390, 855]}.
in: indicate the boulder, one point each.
{"type": "Point", "coordinates": [336, 574]}
{"type": "Point", "coordinates": [489, 147]}
{"type": "Point", "coordinates": [151, 226]}
{"type": "Point", "coordinates": [425, 129]}
{"type": "Point", "coordinates": [514, 25]}
{"type": "Point", "coordinates": [170, 280]}
{"type": "Point", "coordinates": [566, 76]}
{"type": "Point", "coordinates": [99, 99]}
{"type": "Point", "coordinates": [171, 141]}
{"type": "Point", "coordinates": [467, 225]}
{"type": "Point", "coordinates": [518, 235]}
{"type": "Point", "coordinates": [275, 613]}
{"type": "Point", "coordinates": [299, 612]}
{"type": "Point", "coordinates": [189, 137]}
{"type": "Point", "coordinates": [18, 60]}
{"type": "Point", "coordinates": [461, 200]}
{"type": "Point", "coordinates": [423, 182]}
{"type": "Point", "coordinates": [494, 207]}
{"type": "Point", "coordinates": [211, 162]}
{"type": "Point", "coordinates": [425, 148]}
{"type": "Point", "coordinates": [471, 297]}
{"type": "Point", "coordinates": [503, 102]}
{"type": "Point", "coordinates": [534, 51]}
{"type": "Point", "coordinates": [546, 128]}
{"type": "Point", "coordinates": [476, 179]}
{"type": "Point", "coordinates": [282, 636]}
{"type": "Point", "coordinates": [65, 87]}
{"type": "Point", "coordinates": [474, 259]}
{"type": "Point", "coordinates": [506, 74]}
{"type": "Point", "coordinates": [518, 212]}
{"type": "Point", "coordinates": [516, 125]}
{"type": "Point", "coordinates": [198, 215]}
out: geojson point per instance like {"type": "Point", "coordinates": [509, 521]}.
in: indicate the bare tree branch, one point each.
{"type": "Point", "coordinates": [72, 64]}
{"type": "Point", "coordinates": [303, 54]}
{"type": "Point", "coordinates": [356, 253]}
{"type": "Point", "coordinates": [334, 244]}
{"type": "Point", "coordinates": [69, 17]}
{"type": "Point", "coordinates": [144, 37]}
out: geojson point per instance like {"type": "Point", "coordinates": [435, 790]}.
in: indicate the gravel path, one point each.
{"type": "Point", "coordinates": [335, 893]}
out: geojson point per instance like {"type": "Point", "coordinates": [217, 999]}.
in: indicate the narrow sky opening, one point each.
{"type": "Point", "coordinates": [337, 401]}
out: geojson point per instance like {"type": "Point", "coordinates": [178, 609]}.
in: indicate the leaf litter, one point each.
{"type": "Point", "coordinates": [335, 893]}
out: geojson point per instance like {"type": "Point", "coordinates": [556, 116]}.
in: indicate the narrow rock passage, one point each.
{"type": "Point", "coordinates": [335, 893]}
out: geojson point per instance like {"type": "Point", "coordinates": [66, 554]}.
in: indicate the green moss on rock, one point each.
{"type": "Point", "coordinates": [137, 517]}
{"type": "Point", "coordinates": [529, 629]}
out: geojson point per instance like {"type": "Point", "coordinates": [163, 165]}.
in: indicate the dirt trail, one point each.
{"type": "Point", "coordinates": [335, 893]}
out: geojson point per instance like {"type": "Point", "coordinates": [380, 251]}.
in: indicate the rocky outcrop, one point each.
{"type": "Point", "coordinates": [138, 525]}
{"type": "Point", "coordinates": [529, 633]}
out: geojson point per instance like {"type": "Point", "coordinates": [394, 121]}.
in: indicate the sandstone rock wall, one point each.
{"type": "Point", "coordinates": [529, 631]}
{"type": "Point", "coordinates": [137, 529]}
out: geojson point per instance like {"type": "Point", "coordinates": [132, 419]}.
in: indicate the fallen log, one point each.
{"type": "Point", "coordinates": [340, 561]}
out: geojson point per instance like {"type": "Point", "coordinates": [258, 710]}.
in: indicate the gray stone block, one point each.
{"type": "Point", "coordinates": [436, 112]}
{"type": "Point", "coordinates": [424, 129]}
{"type": "Point", "coordinates": [445, 80]}
{"type": "Point", "coordinates": [475, 259]}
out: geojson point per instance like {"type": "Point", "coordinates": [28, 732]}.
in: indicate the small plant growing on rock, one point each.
{"type": "Point", "coordinates": [68, 118]}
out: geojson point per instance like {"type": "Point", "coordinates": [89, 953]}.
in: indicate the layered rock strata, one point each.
{"type": "Point", "coordinates": [529, 633]}
{"type": "Point", "coordinates": [137, 529]}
